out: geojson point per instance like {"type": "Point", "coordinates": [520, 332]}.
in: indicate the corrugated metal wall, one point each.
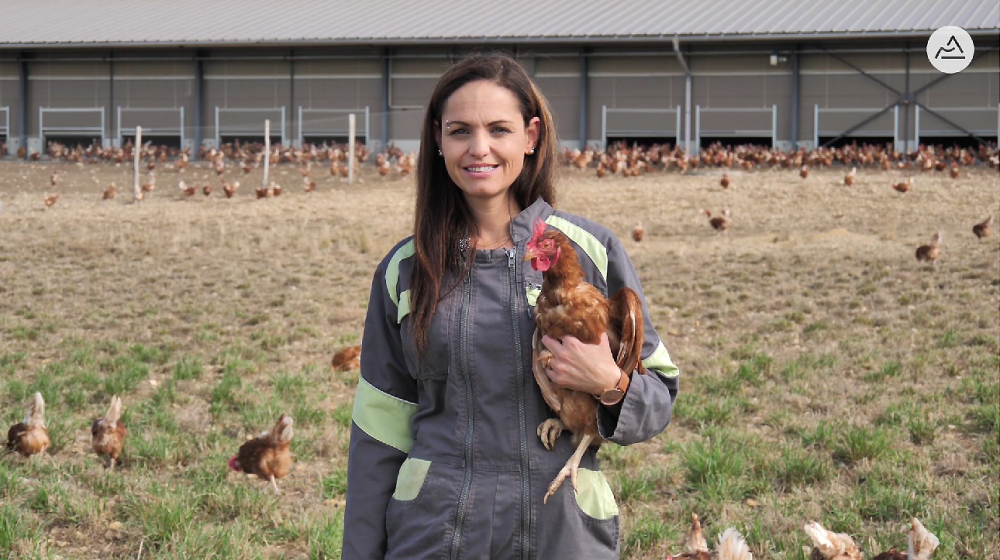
{"type": "Point", "coordinates": [641, 90]}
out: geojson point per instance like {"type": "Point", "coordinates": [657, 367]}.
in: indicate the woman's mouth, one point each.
{"type": "Point", "coordinates": [480, 170]}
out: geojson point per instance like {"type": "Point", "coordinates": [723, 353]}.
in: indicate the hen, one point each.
{"type": "Point", "coordinates": [31, 436]}
{"type": "Point", "coordinates": [268, 456]}
{"type": "Point", "coordinates": [724, 181]}
{"type": "Point", "coordinates": [828, 545]}
{"type": "Point", "coordinates": [920, 544]}
{"type": "Point", "coordinates": [569, 306]}
{"type": "Point", "coordinates": [731, 545]}
{"type": "Point", "coordinates": [347, 359]}
{"type": "Point", "coordinates": [849, 178]}
{"type": "Point", "coordinates": [982, 229]}
{"type": "Point", "coordinates": [637, 232]}
{"type": "Point", "coordinates": [107, 434]}
{"type": "Point", "coordinates": [929, 252]}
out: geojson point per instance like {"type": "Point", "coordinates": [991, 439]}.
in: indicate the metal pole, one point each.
{"type": "Point", "coordinates": [41, 132]}
{"type": "Point", "coordinates": [916, 126]}
{"type": "Point", "coordinates": [687, 113]}
{"type": "Point", "coordinates": [385, 99]}
{"type": "Point", "coordinates": [283, 140]}
{"type": "Point", "coordinates": [697, 128]}
{"type": "Point", "coordinates": [218, 137]}
{"type": "Point", "coordinates": [604, 128]}
{"type": "Point", "coordinates": [350, 149]}
{"type": "Point", "coordinates": [199, 106]}
{"type": "Point", "coordinates": [584, 71]}
{"type": "Point", "coordinates": [300, 126]}
{"type": "Point", "coordinates": [677, 129]}
{"type": "Point", "coordinates": [267, 152]}
{"type": "Point", "coordinates": [774, 126]}
{"type": "Point", "coordinates": [22, 115]}
{"type": "Point", "coordinates": [111, 90]}
{"type": "Point", "coordinates": [136, 193]}
{"type": "Point", "coordinates": [895, 131]}
{"type": "Point", "coordinates": [796, 83]}
{"type": "Point", "coordinates": [906, 105]}
{"type": "Point", "coordinates": [182, 128]}
{"type": "Point", "coordinates": [368, 138]}
{"type": "Point", "coordinates": [104, 130]}
{"type": "Point", "coordinates": [291, 88]}
{"type": "Point", "coordinates": [118, 129]}
{"type": "Point", "coordinates": [815, 126]}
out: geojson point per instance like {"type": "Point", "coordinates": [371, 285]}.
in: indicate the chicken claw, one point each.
{"type": "Point", "coordinates": [569, 469]}
{"type": "Point", "coordinates": [549, 430]}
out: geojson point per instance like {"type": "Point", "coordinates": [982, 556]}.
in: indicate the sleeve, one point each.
{"type": "Point", "coordinates": [380, 430]}
{"type": "Point", "coordinates": [648, 404]}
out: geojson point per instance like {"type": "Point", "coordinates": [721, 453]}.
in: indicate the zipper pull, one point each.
{"type": "Point", "coordinates": [510, 257]}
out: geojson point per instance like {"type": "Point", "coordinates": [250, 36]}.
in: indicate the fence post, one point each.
{"type": "Point", "coordinates": [136, 192]}
{"type": "Point", "coordinates": [267, 151]}
{"type": "Point", "coordinates": [350, 148]}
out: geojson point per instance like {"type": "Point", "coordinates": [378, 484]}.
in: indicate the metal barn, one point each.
{"type": "Point", "coordinates": [782, 72]}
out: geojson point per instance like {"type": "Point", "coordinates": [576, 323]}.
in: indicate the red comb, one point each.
{"type": "Point", "coordinates": [539, 228]}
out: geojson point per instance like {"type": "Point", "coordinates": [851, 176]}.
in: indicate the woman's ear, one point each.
{"type": "Point", "coordinates": [531, 133]}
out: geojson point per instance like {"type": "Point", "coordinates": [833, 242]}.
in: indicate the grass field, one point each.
{"type": "Point", "coordinates": [826, 375]}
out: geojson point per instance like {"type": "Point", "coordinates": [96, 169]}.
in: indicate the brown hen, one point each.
{"type": "Point", "coordinates": [731, 546]}
{"type": "Point", "coordinates": [347, 359]}
{"type": "Point", "coordinates": [107, 433]}
{"type": "Point", "coordinates": [982, 229]}
{"type": "Point", "coordinates": [31, 436]}
{"type": "Point", "coordinates": [267, 456]}
{"type": "Point", "coordinates": [569, 306]}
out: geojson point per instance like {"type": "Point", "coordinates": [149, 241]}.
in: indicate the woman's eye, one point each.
{"type": "Point", "coordinates": [456, 131]}
{"type": "Point", "coordinates": [501, 129]}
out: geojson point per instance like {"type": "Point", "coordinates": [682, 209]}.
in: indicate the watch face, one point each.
{"type": "Point", "coordinates": [611, 396]}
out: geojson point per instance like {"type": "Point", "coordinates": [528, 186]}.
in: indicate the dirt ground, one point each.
{"type": "Point", "coordinates": [809, 269]}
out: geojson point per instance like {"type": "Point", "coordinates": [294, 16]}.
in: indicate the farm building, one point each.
{"type": "Point", "coordinates": [790, 73]}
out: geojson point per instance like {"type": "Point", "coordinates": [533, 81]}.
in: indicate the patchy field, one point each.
{"type": "Point", "coordinates": [825, 373]}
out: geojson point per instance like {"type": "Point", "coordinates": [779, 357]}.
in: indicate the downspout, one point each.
{"type": "Point", "coordinates": [22, 117]}
{"type": "Point", "coordinates": [294, 132]}
{"type": "Point", "coordinates": [795, 99]}
{"type": "Point", "coordinates": [584, 86]}
{"type": "Point", "coordinates": [906, 104]}
{"type": "Point", "coordinates": [199, 104]}
{"type": "Point", "coordinates": [385, 97]}
{"type": "Point", "coordinates": [687, 97]}
{"type": "Point", "coordinates": [111, 94]}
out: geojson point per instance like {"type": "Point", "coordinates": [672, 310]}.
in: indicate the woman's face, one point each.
{"type": "Point", "coordinates": [483, 139]}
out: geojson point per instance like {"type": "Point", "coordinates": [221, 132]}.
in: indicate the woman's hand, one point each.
{"type": "Point", "coordinates": [589, 368]}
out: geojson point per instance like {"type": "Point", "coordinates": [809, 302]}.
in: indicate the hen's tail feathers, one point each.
{"type": "Point", "coordinates": [114, 411]}
{"type": "Point", "coordinates": [921, 541]}
{"type": "Point", "coordinates": [696, 540]}
{"type": "Point", "coordinates": [626, 311]}
{"type": "Point", "coordinates": [830, 544]}
{"type": "Point", "coordinates": [732, 546]}
{"type": "Point", "coordinates": [36, 412]}
{"type": "Point", "coordinates": [282, 431]}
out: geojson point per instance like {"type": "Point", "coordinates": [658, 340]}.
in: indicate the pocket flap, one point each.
{"type": "Point", "coordinates": [411, 479]}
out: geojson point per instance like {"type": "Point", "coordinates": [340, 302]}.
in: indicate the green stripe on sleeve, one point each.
{"type": "Point", "coordinates": [403, 307]}
{"type": "Point", "coordinates": [392, 271]}
{"type": "Point", "coordinates": [660, 361]}
{"type": "Point", "coordinates": [586, 240]}
{"type": "Point", "coordinates": [383, 416]}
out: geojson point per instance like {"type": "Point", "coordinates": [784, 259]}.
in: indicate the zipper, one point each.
{"type": "Point", "coordinates": [464, 356]}
{"type": "Point", "coordinates": [521, 416]}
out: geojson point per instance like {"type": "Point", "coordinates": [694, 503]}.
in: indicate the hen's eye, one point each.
{"type": "Point", "coordinates": [547, 244]}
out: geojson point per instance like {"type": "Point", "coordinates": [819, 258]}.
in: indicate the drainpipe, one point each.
{"type": "Point", "coordinates": [584, 71]}
{"type": "Point", "coordinates": [22, 117]}
{"type": "Point", "coordinates": [795, 99]}
{"type": "Point", "coordinates": [687, 97]}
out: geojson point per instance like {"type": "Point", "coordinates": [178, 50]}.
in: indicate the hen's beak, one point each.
{"type": "Point", "coordinates": [529, 254]}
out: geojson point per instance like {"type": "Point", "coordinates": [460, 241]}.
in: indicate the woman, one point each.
{"type": "Point", "coordinates": [444, 458]}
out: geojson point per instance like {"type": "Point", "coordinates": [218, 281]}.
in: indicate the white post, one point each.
{"type": "Point", "coordinates": [267, 151]}
{"type": "Point", "coordinates": [687, 113]}
{"type": "Point", "coordinates": [916, 139]}
{"type": "Point", "coordinates": [300, 126]}
{"type": "Point", "coordinates": [136, 193]}
{"type": "Point", "coordinates": [895, 131]}
{"type": "Point", "coordinates": [816, 126]}
{"type": "Point", "coordinates": [677, 134]}
{"type": "Point", "coordinates": [774, 127]}
{"type": "Point", "coordinates": [350, 149]}
{"type": "Point", "coordinates": [697, 129]}
{"type": "Point", "coordinates": [118, 132]}
{"type": "Point", "coordinates": [218, 137]}
{"type": "Point", "coordinates": [604, 128]}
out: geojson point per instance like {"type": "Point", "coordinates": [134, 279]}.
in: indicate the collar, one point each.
{"type": "Point", "coordinates": [522, 226]}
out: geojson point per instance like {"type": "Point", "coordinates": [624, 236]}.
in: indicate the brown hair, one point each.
{"type": "Point", "coordinates": [443, 217]}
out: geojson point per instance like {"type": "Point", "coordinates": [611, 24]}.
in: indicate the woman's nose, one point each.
{"type": "Point", "coordinates": [480, 145]}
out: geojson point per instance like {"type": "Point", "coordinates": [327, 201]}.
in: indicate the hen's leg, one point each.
{"type": "Point", "coordinates": [549, 430]}
{"type": "Point", "coordinates": [570, 468]}
{"type": "Point", "coordinates": [274, 484]}
{"type": "Point", "coordinates": [111, 467]}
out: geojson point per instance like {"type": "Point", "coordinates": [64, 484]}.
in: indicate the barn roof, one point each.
{"type": "Point", "coordinates": [40, 23]}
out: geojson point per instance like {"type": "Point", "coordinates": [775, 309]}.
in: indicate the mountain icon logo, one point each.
{"type": "Point", "coordinates": [948, 48]}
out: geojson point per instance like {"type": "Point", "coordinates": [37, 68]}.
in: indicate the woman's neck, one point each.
{"type": "Point", "coordinates": [494, 217]}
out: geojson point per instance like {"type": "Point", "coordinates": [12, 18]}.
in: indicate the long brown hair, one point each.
{"type": "Point", "coordinates": [443, 217]}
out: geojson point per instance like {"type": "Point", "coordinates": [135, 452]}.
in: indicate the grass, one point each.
{"type": "Point", "coordinates": [824, 376]}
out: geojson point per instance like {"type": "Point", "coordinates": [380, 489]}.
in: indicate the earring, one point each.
{"type": "Point", "coordinates": [531, 152]}
{"type": "Point", "coordinates": [439, 152]}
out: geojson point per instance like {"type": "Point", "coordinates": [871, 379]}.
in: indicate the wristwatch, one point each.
{"type": "Point", "coordinates": [615, 394]}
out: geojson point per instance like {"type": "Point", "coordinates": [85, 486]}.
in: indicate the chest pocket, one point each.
{"type": "Point", "coordinates": [437, 356]}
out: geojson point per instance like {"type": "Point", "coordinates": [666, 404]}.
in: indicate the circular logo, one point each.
{"type": "Point", "coordinates": [950, 49]}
